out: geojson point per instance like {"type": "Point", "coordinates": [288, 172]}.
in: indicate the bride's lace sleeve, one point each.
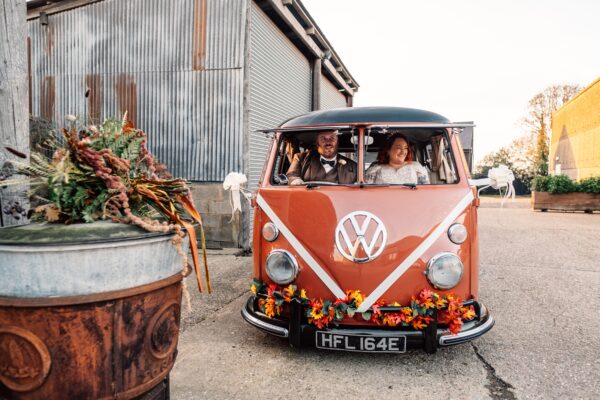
{"type": "Point", "coordinates": [371, 173]}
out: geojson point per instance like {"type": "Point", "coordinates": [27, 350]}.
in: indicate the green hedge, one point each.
{"type": "Point", "coordinates": [564, 184]}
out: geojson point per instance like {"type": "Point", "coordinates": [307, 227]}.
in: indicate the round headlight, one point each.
{"type": "Point", "coordinates": [457, 233]}
{"type": "Point", "coordinates": [444, 270]}
{"type": "Point", "coordinates": [270, 231]}
{"type": "Point", "coordinates": [282, 267]}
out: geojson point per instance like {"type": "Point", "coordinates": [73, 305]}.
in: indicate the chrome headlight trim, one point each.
{"type": "Point", "coordinates": [295, 269]}
{"type": "Point", "coordinates": [274, 230]}
{"type": "Point", "coordinates": [429, 271]}
{"type": "Point", "coordinates": [457, 233]}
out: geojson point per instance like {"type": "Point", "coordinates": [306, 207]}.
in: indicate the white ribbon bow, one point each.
{"type": "Point", "coordinates": [234, 182]}
{"type": "Point", "coordinates": [498, 178]}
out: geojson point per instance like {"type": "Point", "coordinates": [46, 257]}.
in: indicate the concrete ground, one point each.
{"type": "Point", "coordinates": [540, 277]}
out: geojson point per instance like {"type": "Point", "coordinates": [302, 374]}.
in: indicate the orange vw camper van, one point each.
{"type": "Point", "coordinates": [365, 234]}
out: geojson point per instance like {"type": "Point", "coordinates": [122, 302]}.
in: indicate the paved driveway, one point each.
{"type": "Point", "coordinates": [540, 276]}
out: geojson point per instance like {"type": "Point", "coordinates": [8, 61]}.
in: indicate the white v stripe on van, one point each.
{"type": "Point", "coordinates": [312, 263]}
{"type": "Point", "coordinates": [418, 252]}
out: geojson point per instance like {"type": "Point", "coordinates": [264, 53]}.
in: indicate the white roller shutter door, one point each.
{"type": "Point", "coordinates": [280, 86]}
{"type": "Point", "coordinates": [331, 97]}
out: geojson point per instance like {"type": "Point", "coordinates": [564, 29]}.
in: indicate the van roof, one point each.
{"type": "Point", "coordinates": [357, 115]}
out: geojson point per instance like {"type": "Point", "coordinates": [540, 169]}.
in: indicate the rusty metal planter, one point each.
{"type": "Point", "coordinates": [93, 314]}
{"type": "Point", "coordinates": [544, 201]}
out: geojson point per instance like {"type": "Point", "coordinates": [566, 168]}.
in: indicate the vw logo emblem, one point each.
{"type": "Point", "coordinates": [360, 236]}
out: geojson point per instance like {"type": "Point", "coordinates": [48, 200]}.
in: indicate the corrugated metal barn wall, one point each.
{"type": "Point", "coordinates": [331, 97]}
{"type": "Point", "coordinates": [280, 85]}
{"type": "Point", "coordinates": [175, 66]}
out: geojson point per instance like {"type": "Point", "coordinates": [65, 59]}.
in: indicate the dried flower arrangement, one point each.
{"type": "Point", "coordinates": [107, 172]}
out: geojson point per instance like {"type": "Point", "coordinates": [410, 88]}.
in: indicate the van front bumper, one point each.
{"type": "Point", "coordinates": [301, 334]}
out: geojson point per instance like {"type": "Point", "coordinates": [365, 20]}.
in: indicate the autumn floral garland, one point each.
{"type": "Point", "coordinates": [321, 312]}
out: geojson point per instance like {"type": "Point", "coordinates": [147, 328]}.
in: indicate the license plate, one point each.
{"type": "Point", "coordinates": [363, 343]}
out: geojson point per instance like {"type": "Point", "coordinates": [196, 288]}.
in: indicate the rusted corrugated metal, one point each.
{"type": "Point", "coordinates": [174, 66]}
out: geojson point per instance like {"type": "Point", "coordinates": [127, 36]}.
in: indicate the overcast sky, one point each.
{"type": "Point", "coordinates": [469, 60]}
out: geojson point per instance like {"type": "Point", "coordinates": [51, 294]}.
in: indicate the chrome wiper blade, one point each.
{"type": "Point", "coordinates": [407, 185]}
{"type": "Point", "coordinates": [312, 185]}
{"type": "Point", "coordinates": [315, 184]}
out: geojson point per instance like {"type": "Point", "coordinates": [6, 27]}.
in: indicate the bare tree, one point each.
{"type": "Point", "coordinates": [539, 118]}
{"type": "Point", "coordinates": [14, 113]}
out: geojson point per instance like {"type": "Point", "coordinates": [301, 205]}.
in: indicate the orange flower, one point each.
{"type": "Point", "coordinates": [468, 313]}
{"type": "Point", "coordinates": [271, 309]}
{"type": "Point", "coordinates": [427, 303]}
{"type": "Point", "coordinates": [454, 326]}
{"type": "Point", "coordinates": [288, 293]}
{"type": "Point", "coordinates": [392, 319]}
{"type": "Point", "coordinates": [418, 323]}
{"type": "Point", "coordinates": [440, 302]}
{"type": "Point", "coordinates": [425, 294]}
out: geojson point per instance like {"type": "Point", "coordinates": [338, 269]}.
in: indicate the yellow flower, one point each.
{"type": "Point", "coordinates": [271, 309]}
{"type": "Point", "coordinates": [303, 295]}
{"type": "Point", "coordinates": [440, 302]}
{"type": "Point", "coordinates": [253, 289]}
{"type": "Point", "coordinates": [427, 303]}
{"type": "Point", "coordinates": [468, 313]}
{"type": "Point", "coordinates": [288, 293]}
{"type": "Point", "coordinates": [317, 313]}
{"type": "Point", "coordinates": [356, 296]}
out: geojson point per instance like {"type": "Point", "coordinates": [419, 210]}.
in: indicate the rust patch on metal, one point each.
{"type": "Point", "coordinates": [161, 336]}
{"type": "Point", "coordinates": [49, 39]}
{"type": "Point", "coordinates": [47, 98]}
{"type": "Point", "coordinates": [99, 350]}
{"type": "Point", "coordinates": [125, 89]}
{"type": "Point", "coordinates": [199, 32]}
{"type": "Point", "coordinates": [117, 383]}
{"type": "Point", "coordinates": [24, 359]}
{"type": "Point", "coordinates": [94, 97]}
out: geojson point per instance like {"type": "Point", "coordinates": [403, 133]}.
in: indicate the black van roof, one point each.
{"type": "Point", "coordinates": [357, 115]}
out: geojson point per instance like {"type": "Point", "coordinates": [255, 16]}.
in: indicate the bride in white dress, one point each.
{"type": "Point", "coordinates": [396, 165]}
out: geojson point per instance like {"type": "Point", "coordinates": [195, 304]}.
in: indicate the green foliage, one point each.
{"type": "Point", "coordinates": [561, 184]}
{"type": "Point", "coordinates": [540, 183]}
{"type": "Point", "coordinates": [103, 172]}
{"type": "Point", "coordinates": [564, 184]}
{"type": "Point", "coordinates": [590, 185]}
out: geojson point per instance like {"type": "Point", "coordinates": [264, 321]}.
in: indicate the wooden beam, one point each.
{"type": "Point", "coordinates": [14, 115]}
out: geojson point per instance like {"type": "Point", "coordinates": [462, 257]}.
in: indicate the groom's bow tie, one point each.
{"type": "Point", "coordinates": [331, 163]}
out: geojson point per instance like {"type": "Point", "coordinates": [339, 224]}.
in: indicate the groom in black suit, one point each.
{"type": "Point", "coordinates": [322, 164]}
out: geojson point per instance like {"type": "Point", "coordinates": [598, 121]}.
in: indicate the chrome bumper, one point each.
{"type": "Point", "coordinates": [470, 330]}
{"type": "Point", "coordinates": [264, 325]}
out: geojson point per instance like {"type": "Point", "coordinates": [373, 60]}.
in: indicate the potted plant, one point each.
{"type": "Point", "coordinates": [90, 308]}
{"type": "Point", "coordinates": [563, 194]}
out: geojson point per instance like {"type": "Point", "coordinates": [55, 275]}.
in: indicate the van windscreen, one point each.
{"type": "Point", "coordinates": [391, 157]}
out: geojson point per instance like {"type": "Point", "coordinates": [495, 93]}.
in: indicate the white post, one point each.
{"type": "Point", "coordinates": [14, 112]}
